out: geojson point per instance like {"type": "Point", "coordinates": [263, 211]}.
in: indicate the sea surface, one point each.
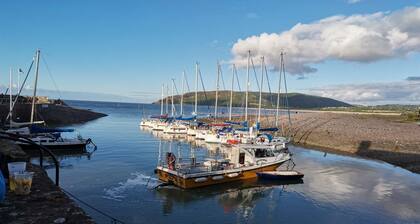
{"type": "Point", "coordinates": [118, 179]}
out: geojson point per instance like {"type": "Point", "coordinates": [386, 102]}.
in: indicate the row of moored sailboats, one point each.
{"type": "Point", "coordinates": [252, 149]}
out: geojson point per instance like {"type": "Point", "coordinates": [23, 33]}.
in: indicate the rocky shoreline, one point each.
{"type": "Point", "coordinates": [52, 114]}
{"type": "Point", "coordinates": [385, 138]}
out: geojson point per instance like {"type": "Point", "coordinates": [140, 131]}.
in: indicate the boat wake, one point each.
{"type": "Point", "coordinates": [118, 193]}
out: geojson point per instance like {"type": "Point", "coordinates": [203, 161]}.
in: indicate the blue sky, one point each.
{"type": "Point", "coordinates": [130, 48]}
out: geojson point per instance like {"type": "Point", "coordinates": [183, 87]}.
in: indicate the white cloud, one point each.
{"type": "Point", "coordinates": [353, 1]}
{"type": "Point", "coordinates": [373, 93]}
{"type": "Point", "coordinates": [358, 38]}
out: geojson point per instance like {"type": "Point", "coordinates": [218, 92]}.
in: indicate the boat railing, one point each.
{"type": "Point", "coordinates": [41, 149]}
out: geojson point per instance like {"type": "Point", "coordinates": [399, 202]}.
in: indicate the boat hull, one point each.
{"type": "Point", "coordinates": [207, 180]}
{"type": "Point", "coordinates": [271, 176]}
{"type": "Point", "coordinates": [74, 146]}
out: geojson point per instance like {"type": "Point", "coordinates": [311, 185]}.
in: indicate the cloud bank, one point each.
{"type": "Point", "coordinates": [403, 92]}
{"type": "Point", "coordinates": [357, 38]}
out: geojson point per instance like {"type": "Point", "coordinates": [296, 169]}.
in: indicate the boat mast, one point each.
{"type": "Point", "coordinates": [285, 89]}
{"type": "Point", "coordinates": [161, 100]}
{"type": "Point", "coordinates": [167, 99]}
{"type": "Point", "coordinates": [10, 96]}
{"type": "Point", "coordinates": [247, 86]}
{"type": "Point", "coordinates": [217, 90]}
{"type": "Point", "coordinates": [262, 80]}
{"type": "Point", "coordinates": [172, 98]}
{"type": "Point", "coordinates": [231, 92]}
{"type": "Point", "coordinates": [38, 52]}
{"type": "Point", "coordinates": [182, 92]}
{"type": "Point", "coordinates": [278, 92]}
{"type": "Point", "coordinates": [196, 89]}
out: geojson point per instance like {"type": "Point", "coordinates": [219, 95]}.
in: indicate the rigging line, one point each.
{"type": "Point", "coordinates": [52, 78]}
{"type": "Point", "coordinates": [186, 81]}
{"type": "Point", "coordinates": [255, 74]}
{"type": "Point", "coordinates": [269, 87]}
{"type": "Point", "coordinates": [239, 86]}
{"type": "Point", "coordinates": [204, 90]}
{"type": "Point", "coordinates": [23, 85]}
{"type": "Point", "coordinates": [173, 98]}
{"type": "Point", "coordinates": [115, 220]}
{"type": "Point", "coordinates": [224, 87]}
{"type": "Point", "coordinates": [237, 78]}
{"type": "Point", "coordinates": [176, 89]}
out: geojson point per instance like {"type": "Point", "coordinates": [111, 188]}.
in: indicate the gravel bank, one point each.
{"type": "Point", "coordinates": [379, 137]}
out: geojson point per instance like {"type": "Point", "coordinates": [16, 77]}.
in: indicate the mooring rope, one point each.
{"type": "Point", "coordinates": [113, 220]}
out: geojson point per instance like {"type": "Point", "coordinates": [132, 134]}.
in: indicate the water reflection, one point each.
{"type": "Point", "coordinates": [237, 197]}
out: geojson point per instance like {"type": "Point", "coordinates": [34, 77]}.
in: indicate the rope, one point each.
{"type": "Point", "coordinates": [204, 89]}
{"type": "Point", "coordinates": [114, 220]}
{"type": "Point", "coordinates": [255, 74]}
{"type": "Point", "coordinates": [52, 78]}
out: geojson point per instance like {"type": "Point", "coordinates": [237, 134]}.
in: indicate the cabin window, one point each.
{"type": "Point", "coordinates": [242, 158]}
{"type": "Point", "coordinates": [261, 153]}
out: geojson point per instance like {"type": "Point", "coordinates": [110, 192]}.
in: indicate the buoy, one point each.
{"type": "Point", "coordinates": [217, 177]}
{"type": "Point", "coordinates": [232, 175]}
{"type": "Point", "coordinates": [200, 179]}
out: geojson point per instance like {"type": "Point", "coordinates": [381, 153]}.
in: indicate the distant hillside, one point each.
{"type": "Point", "coordinates": [296, 100]}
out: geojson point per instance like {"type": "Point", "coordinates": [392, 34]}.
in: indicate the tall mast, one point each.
{"type": "Point", "coordinates": [167, 99]}
{"type": "Point", "coordinates": [18, 80]}
{"type": "Point", "coordinates": [285, 89]}
{"type": "Point", "coordinates": [262, 80]}
{"type": "Point", "coordinates": [278, 92]}
{"type": "Point", "coordinates": [217, 90]}
{"type": "Point", "coordinates": [161, 100]}
{"type": "Point", "coordinates": [196, 88]}
{"type": "Point", "coordinates": [182, 92]}
{"type": "Point", "coordinates": [10, 96]}
{"type": "Point", "coordinates": [247, 86]}
{"type": "Point", "coordinates": [172, 98]}
{"type": "Point", "coordinates": [231, 92]}
{"type": "Point", "coordinates": [38, 52]}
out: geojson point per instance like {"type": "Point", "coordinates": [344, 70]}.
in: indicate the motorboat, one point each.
{"type": "Point", "coordinates": [242, 162]}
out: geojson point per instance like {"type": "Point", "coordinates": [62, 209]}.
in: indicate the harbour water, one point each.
{"type": "Point", "coordinates": [118, 179]}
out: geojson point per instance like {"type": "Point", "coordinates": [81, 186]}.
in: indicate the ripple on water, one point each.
{"type": "Point", "coordinates": [136, 180]}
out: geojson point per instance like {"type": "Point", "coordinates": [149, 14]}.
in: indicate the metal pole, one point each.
{"type": "Point", "coordinates": [161, 101]}
{"type": "Point", "coordinates": [262, 80]}
{"type": "Point", "coordinates": [231, 92]}
{"type": "Point", "coordinates": [35, 84]}
{"type": "Point", "coordinates": [167, 99]}
{"type": "Point", "coordinates": [247, 86]}
{"type": "Point", "coordinates": [10, 96]}
{"type": "Point", "coordinates": [172, 98]}
{"type": "Point", "coordinates": [278, 93]}
{"type": "Point", "coordinates": [182, 93]}
{"type": "Point", "coordinates": [217, 90]}
{"type": "Point", "coordinates": [196, 88]}
{"type": "Point", "coordinates": [285, 89]}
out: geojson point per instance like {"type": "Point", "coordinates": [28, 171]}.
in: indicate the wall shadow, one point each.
{"type": "Point", "coordinates": [409, 161]}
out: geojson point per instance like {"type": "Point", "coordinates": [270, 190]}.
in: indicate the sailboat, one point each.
{"type": "Point", "coordinates": [50, 138]}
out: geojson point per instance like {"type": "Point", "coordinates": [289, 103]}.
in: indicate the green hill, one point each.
{"type": "Point", "coordinates": [296, 100]}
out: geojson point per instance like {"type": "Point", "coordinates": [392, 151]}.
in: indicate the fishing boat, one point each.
{"type": "Point", "coordinates": [242, 162]}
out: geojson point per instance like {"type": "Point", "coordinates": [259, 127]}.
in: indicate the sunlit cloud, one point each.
{"type": "Point", "coordinates": [358, 38]}
{"type": "Point", "coordinates": [373, 93]}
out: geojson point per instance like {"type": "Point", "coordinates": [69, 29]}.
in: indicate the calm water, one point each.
{"type": "Point", "coordinates": [118, 178]}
